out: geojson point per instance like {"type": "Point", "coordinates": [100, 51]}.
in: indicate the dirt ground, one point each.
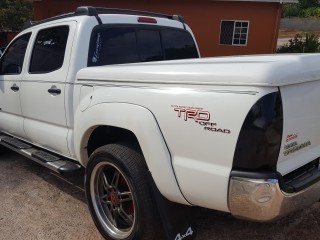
{"type": "Point", "coordinates": [36, 203]}
{"type": "Point", "coordinates": [291, 34]}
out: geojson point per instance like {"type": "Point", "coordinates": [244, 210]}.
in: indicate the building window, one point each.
{"type": "Point", "coordinates": [234, 33]}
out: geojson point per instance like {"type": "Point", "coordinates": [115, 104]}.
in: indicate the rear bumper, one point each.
{"type": "Point", "coordinates": [263, 200]}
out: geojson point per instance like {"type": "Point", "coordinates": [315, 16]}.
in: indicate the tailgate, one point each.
{"type": "Point", "coordinates": [301, 128]}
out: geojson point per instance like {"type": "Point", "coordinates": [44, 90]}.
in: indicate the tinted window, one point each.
{"type": "Point", "coordinates": [178, 45]}
{"type": "Point", "coordinates": [12, 60]}
{"type": "Point", "coordinates": [49, 49]}
{"type": "Point", "coordinates": [117, 45]}
{"type": "Point", "coordinates": [113, 46]}
{"type": "Point", "coordinates": [149, 43]}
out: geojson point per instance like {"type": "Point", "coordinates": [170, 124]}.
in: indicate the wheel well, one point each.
{"type": "Point", "coordinates": [104, 135]}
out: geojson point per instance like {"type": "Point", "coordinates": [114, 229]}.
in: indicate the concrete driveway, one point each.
{"type": "Point", "coordinates": [38, 204]}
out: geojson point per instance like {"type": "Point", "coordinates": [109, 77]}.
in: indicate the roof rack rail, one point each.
{"type": "Point", "coordinates": [93, 11]}
{"type": "Point", "coordinates": [33, 23]}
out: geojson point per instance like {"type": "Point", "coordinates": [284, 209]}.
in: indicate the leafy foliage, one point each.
{"type": "Point", "coordinates": [14, 14]}
{"type": "Point", "coordinates": [305, 8]}
{"type": "Point", "coordinates": [308, 3]}
{"type": "Point", "coordinates": [299, 44]}
{"type": "Point", "coordinates": [311, 12]}
{"type": "Point", "coordinates": [291, 10]}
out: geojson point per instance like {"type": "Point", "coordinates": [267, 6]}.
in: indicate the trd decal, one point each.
{"type": "Point", "coordinates": [199, 116]}
{"type": "Point", "coordinates": [195, 114]}
{"type": "Point", "coordinates": [227, 131]}
{"type": "Point", "coordinates": [291, 137]}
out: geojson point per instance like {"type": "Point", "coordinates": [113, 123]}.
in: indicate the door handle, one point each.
{"type": "Point", "coordinates": [54, 90]}
{"type": "Point", "coordinates": [15, 88]}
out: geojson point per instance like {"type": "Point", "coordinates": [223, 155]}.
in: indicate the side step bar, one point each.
{"type": "Point", "coordinates": [52, 161]}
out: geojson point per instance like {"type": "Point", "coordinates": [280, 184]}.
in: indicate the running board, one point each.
{"type": "Point", "coordinates": [49, 160]}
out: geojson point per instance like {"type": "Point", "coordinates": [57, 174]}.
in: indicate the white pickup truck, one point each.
{"type": "Point", "coordinates": [235, 134]}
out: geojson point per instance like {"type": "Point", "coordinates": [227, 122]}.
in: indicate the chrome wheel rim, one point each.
{"type": "Point", "coordinates": [112, 200]}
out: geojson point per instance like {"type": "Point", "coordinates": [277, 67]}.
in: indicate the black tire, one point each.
{"type": "Point", "coordinates": [119, 194]}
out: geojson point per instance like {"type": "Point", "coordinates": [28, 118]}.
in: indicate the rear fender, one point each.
{"type": "Point", "coordinates": [141, 122]}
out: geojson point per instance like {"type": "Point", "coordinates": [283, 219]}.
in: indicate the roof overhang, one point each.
{"type": "Point", "coordinates": [265, 1]}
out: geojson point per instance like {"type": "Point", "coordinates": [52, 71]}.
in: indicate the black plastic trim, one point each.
{"type": "Point", "coordinates": [93, 11]}
{"type": "Point", "coordinates": [69, 167]}
{"type": "Point", "coordinates": [118, 10]}
{"type": "Point", "coordinates": [44, 156]}
{"type": "Point", "coordinates": [61, 169]}
{"type": "Point", "coordinates": [292, 182]}
{"type": "Point", "coordinates": [302, 177]}
{"type": "Point", "coordinates": [87, 11]}
{"type": "Point", "coordinates": [30, 24]}
{"type": "Point", "coordinates": [253, 175]}
{"type": "Point", "coordinates": [15, 88]}
{"type": "Point", "coordinates": [54, 91]}
{"type": "Point", "coordinates": [99, 20]}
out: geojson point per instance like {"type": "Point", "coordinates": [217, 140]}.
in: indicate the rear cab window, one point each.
{"type": "Point", "coordinates": [118, 44]}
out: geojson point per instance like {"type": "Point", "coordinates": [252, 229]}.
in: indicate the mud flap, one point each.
{"type": "Point", "coordinates": [176, 218]}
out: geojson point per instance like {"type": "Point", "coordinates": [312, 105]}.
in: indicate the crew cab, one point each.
{"type": "Point", "coordinates": [40, 97]}
{"type": "Point", "coordinates": [235, 134]}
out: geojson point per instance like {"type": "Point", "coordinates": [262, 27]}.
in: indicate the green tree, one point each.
{"type": "Point", "coordinates": [14, 14]}
{"type": "Point", "coordinates": [308, 3]}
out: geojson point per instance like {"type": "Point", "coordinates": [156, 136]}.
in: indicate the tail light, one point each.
{"type": "Point", "coordinates": [260, 137]}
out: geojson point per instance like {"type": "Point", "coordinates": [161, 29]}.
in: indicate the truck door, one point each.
{"type": "Point", "coordinates": [12, 66]}
{"type": "Point", "coordinates": [43, 96]}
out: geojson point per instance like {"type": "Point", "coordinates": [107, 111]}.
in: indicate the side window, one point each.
{"type": "Point", "coordinates": [113, 46]}
{"type": "Point", "coordinates": [12, 60]}
{"type": "Point", "coordinates": [178, 45]}
{"type": "Point", "coordinates": [149, 44]}
{"type": "Point", "coordinates": [49, 50]}
{"type": "Point", "coordinates": [234, 33]}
